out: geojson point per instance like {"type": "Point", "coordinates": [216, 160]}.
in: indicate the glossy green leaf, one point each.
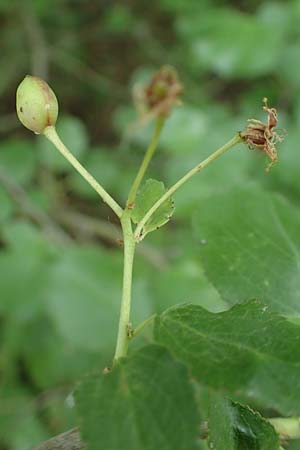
{"type": "Point", "coordinates": [236, 427]}
{"type": "Point", "coordinates": [248, 349]}
{"type": "Point", "coordinates": [252, 247]}
{"type": "Point", "coordinates": [146, 198]}
{"type": "Point", "coordinates": [146, 402]}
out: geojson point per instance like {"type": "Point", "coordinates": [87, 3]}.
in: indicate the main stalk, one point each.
{"type": "Point", "coordinates": [124, 322]}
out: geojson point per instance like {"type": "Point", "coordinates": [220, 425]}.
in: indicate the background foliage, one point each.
{"type": "Point", "coordinates": [60, 263]}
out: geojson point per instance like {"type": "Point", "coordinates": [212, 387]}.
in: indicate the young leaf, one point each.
{"type": "Point", "coordinates": [236, 427]}
{"type": "Point", "coordinates": [147, 196]}
{"type": "Point", "coordinates": [247, 349]}
{"type": "Point", "coordinates": [252, 248]}
{"type": "Point", "coordinates": [146, 402]}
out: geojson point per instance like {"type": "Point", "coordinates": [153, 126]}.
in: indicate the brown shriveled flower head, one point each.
{"type": "Point", "coordinates": [163, 91]}
{"type": "Point", "coordinates": [264, 136]}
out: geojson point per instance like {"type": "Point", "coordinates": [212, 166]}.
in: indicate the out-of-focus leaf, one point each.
{"type": "Point", "coordinates": [232, 44]}
{"type": "Point", "coordinates": [50, 359]}
{"type": "Point", "coordinates": [184, 281]}
{"type": "Point", "coordinates": [150, 193]}
{"type": "Point", "coordinates": [279, 15]}
{"type": "Point", "coordinates": [18, 160]}
{"type": "Point", "coordinates": [291, 59]}
{"type": "Point", "coordinates": [20, 428]}
{"type": "Point", "coordinates": [240, 351]}
{"type": "Point", "coordinates": [230, 171]}
{"type": "Point", "coordinates": [184, 130]}
{"type": "Point", "coordinates": [24, 268]}
{"type": "Point", "coordinates": [118, 19]}
{"type": "Point", "coordinates": [145, 402]}
{"type": "Point", "coordinates": [293, 445]}
{"type": "Point", "coordinates": [24, 238]}
{"type": "Point", "coordinates": [39, 198]}
{"type": "Point", "coordinates": [83, 298]}
{"type": "Point", "coordinates": [252, 247]}
{"type": "Point", "coordinates": [104, 167]}
{"type": "Point", "coordinates": [6, 205]}
{"type": "Point", "coordinates": [236, 427]}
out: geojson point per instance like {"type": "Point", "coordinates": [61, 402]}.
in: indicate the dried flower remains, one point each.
{"type": "Point", "coordinates": [163, 91]}
{"type": "Point", "coordinates": [264, 136]}
{"type": "Point", "coordinates": [159, 96]}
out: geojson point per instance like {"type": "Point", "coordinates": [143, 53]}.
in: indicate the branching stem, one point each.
{"type": "Point", "coordinates": [124, 322]}
{"type": "Point", "coordinates": [139, 229]}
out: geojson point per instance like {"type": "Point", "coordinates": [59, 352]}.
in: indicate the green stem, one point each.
{"type": "Point", "coordinates": [139, 229]}
{"type": "Point", "coordinates": [145, 163]}
{"type": "Point", "coordinates": [51, 134]}
{"type": "Point", "coordinates": [142, 325]}
{"type": "Point", "coordinates": [287, 428]}
{"type": "Point", "coordinates": [124, 322]}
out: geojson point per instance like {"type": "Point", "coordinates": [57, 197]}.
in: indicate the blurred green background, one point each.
{"type": "Point", "coordinates": [60, 263]}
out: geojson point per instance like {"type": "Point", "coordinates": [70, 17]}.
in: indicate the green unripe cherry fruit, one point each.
{"type": "Point", "coordinates": [37, 106]}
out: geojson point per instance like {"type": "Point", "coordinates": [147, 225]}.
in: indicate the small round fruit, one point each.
{"type": "Point", "coordinates": [37, 106]}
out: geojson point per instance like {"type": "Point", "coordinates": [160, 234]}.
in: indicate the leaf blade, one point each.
{"type": "Point", "coordinates": [252, 248]}
{"type": "Point", "coordinates": [146, 198]}
{"type": "Point", "coordinates": [247, 349]}
{"type": "Point", "coordinates": [145, 402]}
{"type": "Point", "coordinates": [233, 426]}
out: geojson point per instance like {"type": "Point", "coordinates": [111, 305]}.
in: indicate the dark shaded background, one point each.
{"type": "Point", "coordinates": [60, 264]}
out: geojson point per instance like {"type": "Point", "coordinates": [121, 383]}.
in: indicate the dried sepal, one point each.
{"type": "Point", "coordinates": [264, 136]}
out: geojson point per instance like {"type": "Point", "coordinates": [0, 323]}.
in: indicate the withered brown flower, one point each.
{"type": "Point", "coordinates": [159, 96]}
{"type": "Point", "coordinates": [264, 136]}
{"type": "Point", "coordinates": [164, 90]}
